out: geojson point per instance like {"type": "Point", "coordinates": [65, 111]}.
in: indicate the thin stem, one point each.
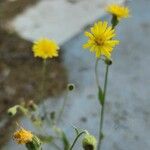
{"type": "Point", "coordinates": [96, 73]}
{"type": "Point", "coordinates": [42, 88]}
{"type": "Point", "coordinates": [43, 78]}
{"type": "Point", "coordinates": [42, 82]}
{"type": "Point", "coordinates": [63, 107]}
{"type": "Point", "coordinates": [102, 109]}
{"type": "Point", "coordinates": [74, 142]}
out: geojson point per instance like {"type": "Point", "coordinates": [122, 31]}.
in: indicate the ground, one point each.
{"type": "Point", "coordinates": [20, 73]}
{"type": "Point", "coordinates": [127, 122]}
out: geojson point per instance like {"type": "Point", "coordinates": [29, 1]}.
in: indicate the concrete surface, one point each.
{"type": "Point", "coordinates": [127, 114]}
{"type": "Point", "coordinates": [59, 19]}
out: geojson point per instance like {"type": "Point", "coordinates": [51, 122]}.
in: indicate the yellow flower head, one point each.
{"type": "Point", "coordinates": [23, 136]}
{"type": "Point", "coordinates": [119, 11]}
{"type": "Point", "coordinates": [45, 48]}
{"type": "Point", "coordinates": [100, 39]}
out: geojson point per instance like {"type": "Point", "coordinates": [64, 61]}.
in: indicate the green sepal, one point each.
{"type": "Point", "coordinates": [114, 21]}
{"type": "Point", "coordinates": [35, 144]}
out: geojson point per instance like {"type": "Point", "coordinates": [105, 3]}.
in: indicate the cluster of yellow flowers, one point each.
{"type": "Point", "coordinates": [100, 38]}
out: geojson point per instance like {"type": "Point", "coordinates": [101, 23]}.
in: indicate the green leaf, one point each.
{"type": "Point", "coordinates": [65, 141]}
{"type": "Point", "coordinates": [46, 139]}
{"type": "Point", "coordinates": [100, 96]}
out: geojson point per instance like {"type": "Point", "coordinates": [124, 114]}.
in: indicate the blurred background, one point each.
{"type": "Point", "coordinates": [127, 118]}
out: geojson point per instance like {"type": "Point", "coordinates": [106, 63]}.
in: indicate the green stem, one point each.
{"type": "Point", "coordinates": [74, 142]}
{"type": "Point", "coordinates": [100, 92]}
{"type": "Point", "coordinates": [63, 107]}
{"type": "Point", "coordinates": [96, 73]}
{"type": "Point", "coordinates": [42, 82]}
{"type": "Point", "coordinates": [102, 109]}
{"type": "Point", "coordinates": [42, 87]}
{"type": "Point", "coordinates": [43, 78]}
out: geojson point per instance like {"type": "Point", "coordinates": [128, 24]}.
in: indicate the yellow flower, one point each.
{"type": "Point", "coordinates": [100, 39]}
{"type": "Point", "coordinates": [23, 136]}
{"type": "Point", "coordinates": [119, 11]}
{"type": "Point", "coordinates": [45, 48]}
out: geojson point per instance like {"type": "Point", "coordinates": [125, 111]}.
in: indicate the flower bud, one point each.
{"type": "Point", "coordinates": [70, 87]}
{"type": "Point", "coordinates": [32, 105]}
{"type": "Point", "coordinates": [108, 61]}
{"type": "Point", "coordinates": [89, 142]}
{"type": "Point", "coordinates": [12, 111]}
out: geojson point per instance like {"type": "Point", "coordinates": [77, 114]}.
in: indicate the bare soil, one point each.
{"type": "Point", "coordinates": [11, 8]}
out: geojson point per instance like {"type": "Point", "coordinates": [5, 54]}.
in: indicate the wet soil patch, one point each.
{"type": "Point", "coordinates": [11, 8]}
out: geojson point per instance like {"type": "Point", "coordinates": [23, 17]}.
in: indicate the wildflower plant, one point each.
{"type": "Point", "coordinates": [101, 41]}
{"type": "Point", "coordinates": [46, 49]}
